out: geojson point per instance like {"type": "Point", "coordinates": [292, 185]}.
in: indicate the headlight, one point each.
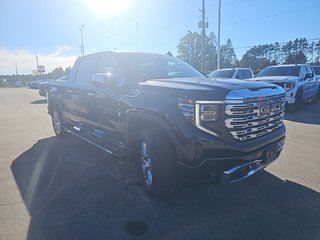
{"type": "Point", "coordinates": [186, 106]}
{"type": "Point", "coordinates": [208, 112]}
{"type": "Point", "coordinates": [288, 86]}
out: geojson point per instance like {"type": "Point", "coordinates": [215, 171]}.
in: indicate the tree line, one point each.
{"type": "Point", "coordinates": [12, 80]}
{"type": "Point", "coordinates": [189, 48]}
{"type": "Point", "coordinates": [257, 57]}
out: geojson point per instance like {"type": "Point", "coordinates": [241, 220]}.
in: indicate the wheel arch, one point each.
{"type": "Point", "coordinates": [54, 102]}
{"type": "Point", "coordinates": [137, 121]}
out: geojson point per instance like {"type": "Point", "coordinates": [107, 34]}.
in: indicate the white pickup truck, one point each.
{"type": "Point", "coordinates": [297, 79]}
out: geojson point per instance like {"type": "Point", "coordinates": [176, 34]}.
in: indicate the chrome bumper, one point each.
{"type": "Point", "coordinates": [243, 171]}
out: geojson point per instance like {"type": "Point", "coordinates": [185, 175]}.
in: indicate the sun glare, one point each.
{"type": "Point", "coordinates": [107, 8]}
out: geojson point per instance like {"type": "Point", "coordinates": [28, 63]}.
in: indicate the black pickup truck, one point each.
{"type": "Point", "coordinates": [176, 122]}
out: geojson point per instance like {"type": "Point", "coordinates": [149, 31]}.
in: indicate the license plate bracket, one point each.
{"type": "Point", "coordinates": [270, 154]}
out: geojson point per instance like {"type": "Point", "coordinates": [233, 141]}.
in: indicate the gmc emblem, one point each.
{"type": "Point", "coordinates": [269, 108]}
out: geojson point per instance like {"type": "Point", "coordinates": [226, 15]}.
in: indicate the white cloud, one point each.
{"type": "Point", "coordinates": [26, 60]}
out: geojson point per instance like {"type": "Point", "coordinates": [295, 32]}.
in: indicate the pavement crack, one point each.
{"type": "Point", "coordinates": [8, 204]}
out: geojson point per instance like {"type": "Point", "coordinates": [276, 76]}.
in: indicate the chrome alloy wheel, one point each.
{"type": "Point", "coordinates": [146, 163]}
{"type": "Point", "coordinates": [56, 122]}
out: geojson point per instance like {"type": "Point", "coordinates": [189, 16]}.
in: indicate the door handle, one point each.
{"type": "Point", "coordinates": [91, 94]}
{"type": "Point", "coordinates": [69, 91]}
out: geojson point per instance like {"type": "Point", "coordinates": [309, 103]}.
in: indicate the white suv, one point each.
{"type": "Point", "coordinates": [297, 79]}
{"type": "Point", "coordinates": [238, 73]}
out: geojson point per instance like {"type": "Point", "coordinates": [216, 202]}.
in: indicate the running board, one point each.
{"type": "Point", "coordinates": [98, 146]}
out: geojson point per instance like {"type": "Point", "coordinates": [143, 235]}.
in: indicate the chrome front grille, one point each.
{"type": "Point", "coordinates": [251, 118]}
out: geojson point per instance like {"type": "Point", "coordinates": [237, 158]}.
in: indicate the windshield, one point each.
{"type": "Point", "coordinates": [280, 71]}
{"type": "Point", "coordinates": [141, 67]}
{"type": "Point", "coordinates": [222, 73]}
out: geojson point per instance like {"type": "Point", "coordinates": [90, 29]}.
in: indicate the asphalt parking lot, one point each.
{"type": "Point", "coordinates": [60, 189]}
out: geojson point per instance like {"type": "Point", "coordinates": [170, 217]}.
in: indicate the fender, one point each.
{"type": "Point", "coordinates": [158, 119]}
{"type": "Point", "coordinates": [54, 98]}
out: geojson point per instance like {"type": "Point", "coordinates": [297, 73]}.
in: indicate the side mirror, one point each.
{"type": "Point", "coordinates": [308, 75]}
{"type": "Point", "coordinates": [105, 80]}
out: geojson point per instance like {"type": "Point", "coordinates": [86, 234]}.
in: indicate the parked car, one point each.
{"type": "Point", "coordinates": [297, 79]}
{"type": "Point", "coordinates": [238, 73]}
{"type": "Point", "coordinates": [35, 84]}
{"type": "Point", "coordinates": [170, 119]}
{"type": "Point", "coordinates": [43, 89]}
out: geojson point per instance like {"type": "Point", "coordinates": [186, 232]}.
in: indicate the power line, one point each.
{"type": "Point", "coordinates": [281, 43]}
{"type": "Point", "coordinates": [274, 15]}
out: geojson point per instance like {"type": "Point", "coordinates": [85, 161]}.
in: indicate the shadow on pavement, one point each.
{"type": "Point", "coordinates": [42, 101]}
{"type": "Point", "coordinates": [74, 191]}
{"type": "Point", "coordinates": [309, 114]}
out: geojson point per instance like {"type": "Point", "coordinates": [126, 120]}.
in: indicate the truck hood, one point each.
{"type": "Point", "coordinates": [212, 89]}
{"type": "Point", "coordinates": [275, 78]}
{"type": "Point", "coordinates": [222, 84]}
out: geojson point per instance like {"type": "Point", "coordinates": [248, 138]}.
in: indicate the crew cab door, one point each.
{"type": "Point", "coordinates": [311, 82]}
{"type": "Point", "coordinates": [104, 107]}
{"type": "Point", "coordinates": [78, 90]}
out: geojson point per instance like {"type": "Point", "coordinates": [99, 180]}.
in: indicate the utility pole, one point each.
{"type": "Point", "coordinates": [82, 46]}
{"type": "Point", "coordinates": [219, 21]}
{"type": "Point", "coordinates": [203, 34]}
{"type": "Point", "coordinates": [18, 82]}
{"type": "Point", "coordinates": [137, 29]}
{"type": "Point", "coordinates": [190, 46]}
{"type": "Point", "coordinates": [16, 68]}
{"type": "Point", "coordinates": [37, 61]}
{"type": "Point", "coordinates": [37, 65]}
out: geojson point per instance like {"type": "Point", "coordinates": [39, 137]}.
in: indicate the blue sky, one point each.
{"type": "Point", "coordinates": [51, 28]}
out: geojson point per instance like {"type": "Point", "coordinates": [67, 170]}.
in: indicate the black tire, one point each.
{"type": "Point", "coordinates": [58, 123]}
{"type": "Point", "coordinates": [295, 107]}
{"type": "Point", "coordinates": [158, 163]}
{"type": "Point", "coordinates": [317, 98]}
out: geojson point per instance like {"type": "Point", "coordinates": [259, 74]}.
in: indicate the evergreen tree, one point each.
{"type": "Point", "coordinates": [189, 50]}
{"type": "Point", "coordinates": [227, 55]}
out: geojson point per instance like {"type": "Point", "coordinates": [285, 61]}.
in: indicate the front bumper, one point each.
{"type": "Point", "coordinates": [245, 170]}
{"type": "Point", "coordinates": [291, 96]}
{"type": "Point", "coordinates": [232, 163]}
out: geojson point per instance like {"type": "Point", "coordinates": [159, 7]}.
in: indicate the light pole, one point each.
{"type": "Point", "coordinates": [82, 46]}
{"type": "Point", "coordinates": [219, 18]}
{"type": "Point", "coordinates": [203, 34]}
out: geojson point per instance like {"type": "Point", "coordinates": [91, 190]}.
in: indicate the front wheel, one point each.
{"type": "Point", "coordinates": [158, 163]}
{"type": "Point", "coordinates": [58, 123]}
{"type": "Point", "coordinates": [297, 105]}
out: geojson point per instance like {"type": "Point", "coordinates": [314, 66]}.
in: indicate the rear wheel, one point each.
{"type": "Point", "coordinates": [158, 163]}
{"type": "Point", "coordinates": [58, 123]}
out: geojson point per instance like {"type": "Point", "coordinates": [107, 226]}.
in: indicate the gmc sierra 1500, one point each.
{"type": "Point", "coordinates": [169, 116]}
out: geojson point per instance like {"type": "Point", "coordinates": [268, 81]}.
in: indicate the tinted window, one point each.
{"type": "Point", "coordinates": [303, 71]}
{"type": "Point", "coordinates": [239, 74]}
{"type": "Point", "coordinates": [316, 70]}
{"type": "Point", "coordinates": [86, 68]}
{"type": "Point", "coordinates": [141, 67]}
{"type": "Point", "coordinates": [247, 73]}
{"type": "Point", "coordinates": [309, 69]}
{"type": "Point", "coordinates": [107, 65]}
{"type": "Point", "coordinates": [222, 73]}
{"type": "Point", "coordinates": [280, 71]}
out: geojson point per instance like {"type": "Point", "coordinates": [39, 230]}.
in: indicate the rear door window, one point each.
{"type": "Point", "coordinates": [246, 73]}
{"type": "Point", "coordinates": [86, 68]}
{"type": "Point", "coordinates": [239, 74]}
